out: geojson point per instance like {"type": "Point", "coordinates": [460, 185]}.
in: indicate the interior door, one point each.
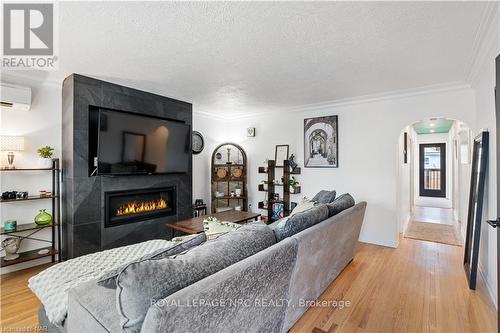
{"type": "Point", "coordinates": [432, 169]}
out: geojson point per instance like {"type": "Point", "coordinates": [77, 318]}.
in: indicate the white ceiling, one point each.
{"type": "Point", "coordinates": [232, 59]}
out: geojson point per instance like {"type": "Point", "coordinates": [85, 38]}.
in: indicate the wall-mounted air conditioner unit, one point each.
{"type": "Point", "coordinates": [14, 97]}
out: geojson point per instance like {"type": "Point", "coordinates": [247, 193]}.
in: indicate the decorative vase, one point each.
{"type": "Point", "coordinates": [11, 246]}
{"type": "Point", "coordinates": [45, 163]}
{"type": "Point", "coordinates": [43, 218]}
{"type": "Point", "coordinates": [10, 225]}
{"type": "Point", "coordinates": [292, 189]}
{"type": "Point", "coordinates": [237, 191]}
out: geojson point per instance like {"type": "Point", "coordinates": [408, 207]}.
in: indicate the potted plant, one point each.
{"type": "Point", "coordinates": [293, 184]}
{"type": "Point", "coordinates": [45, 156]}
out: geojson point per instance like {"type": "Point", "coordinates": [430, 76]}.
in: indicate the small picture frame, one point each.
{"type": "Point", "coordinates": [280, 154]}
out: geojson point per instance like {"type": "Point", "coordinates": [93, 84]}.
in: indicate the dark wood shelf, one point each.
{"type": "Point", "coordinates": [34, 197]}
{"type": "Point", "coordinates": [283, 187]}
{"type": "Point", "coordinates": [29, 255]}
{"type": "Point", "coordinates": [228, 179]}
{"type": "Point", "coordinates": [228, 165]}
{"type": "Point", "coordinates": [29, 169]}
{"type": "Point", "coordinates": [229, 182]}
{"type": "Point", "coordinates": [27, 227]}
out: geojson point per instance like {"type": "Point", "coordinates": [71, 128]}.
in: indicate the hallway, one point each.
{"type": "Point", "coordinates": [433, 215]}
{"type": "Point", "coordinates": [434, 224]}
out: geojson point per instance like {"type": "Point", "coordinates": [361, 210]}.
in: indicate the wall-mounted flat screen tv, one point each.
{"type": "Point", "coordinates": [129, 143]}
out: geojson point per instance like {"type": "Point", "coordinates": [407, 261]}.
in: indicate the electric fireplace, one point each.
{"type": "Point", "coordinates": [122, 207]}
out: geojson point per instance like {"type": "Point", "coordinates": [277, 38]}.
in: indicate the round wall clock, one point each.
{"type": "Point", "coordinates": [198, 142]}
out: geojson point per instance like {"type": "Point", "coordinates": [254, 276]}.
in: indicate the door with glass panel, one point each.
{"type": "Point", "coordinates": [433, 170]}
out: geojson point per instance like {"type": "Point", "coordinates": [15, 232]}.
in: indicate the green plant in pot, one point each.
{"type": "Point", "coordinates": [293, 184]}
{"type": "Point", "coordinates": [45, 156]}
{"type": "Point", "coordinates": [43, 218]}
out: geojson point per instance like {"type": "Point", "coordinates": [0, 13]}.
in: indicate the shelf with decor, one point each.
{"type": "Point", "coordinates": [20, 230]}
{"type": "Point", "coordinates": [270, 187]}
{"type": "Point", "coordinates": [26, 169]}
{"type": "Point", "coordinates": [33, 197]}
{"type": "Point", "coordinates": [229, 178]}
{"type": "Point", "coordinates": [26, 227]}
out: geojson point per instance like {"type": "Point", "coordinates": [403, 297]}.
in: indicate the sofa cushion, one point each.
{"type": "Point", "coordinates": [324, 197]}
{"type": "Point", "coordinates": [91, 308]}
{"type": "Point", "coordinates": [300, 221]}
{"type": "Point", "coordinates": [143, 283]}
{"type": "Point", "coordinates": [341, 203]}
{"type": "Point", "coordinates": [108, 280]}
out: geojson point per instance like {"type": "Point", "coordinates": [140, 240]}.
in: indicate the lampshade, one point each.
{"type": "Point", "coordinates": [11, 143]}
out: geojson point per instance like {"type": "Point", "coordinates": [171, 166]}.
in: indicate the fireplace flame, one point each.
{"type": "Point", "coordinates": [136, 207]}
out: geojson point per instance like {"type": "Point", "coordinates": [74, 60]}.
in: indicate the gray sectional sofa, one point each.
{"type": "Point", "coordinates": [264, 292]}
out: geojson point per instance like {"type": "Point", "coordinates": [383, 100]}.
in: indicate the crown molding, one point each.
{"type": "Point", "coordinates": [486, 42]}
{"type": "Point", "coordinates": [210, 115]}
{"type": "Point", "coordinates": [364, 99]}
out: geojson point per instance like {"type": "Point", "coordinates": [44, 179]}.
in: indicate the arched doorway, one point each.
{"type": "Point", "coordinates": [433, 173]}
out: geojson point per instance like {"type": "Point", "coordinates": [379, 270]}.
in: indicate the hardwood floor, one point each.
{"type": "Point", "coordinates": [433, 215]}
{"type": "Point", "coordinates": [18, 305]}
{"type": "Point", "coordinates": [418, 287]}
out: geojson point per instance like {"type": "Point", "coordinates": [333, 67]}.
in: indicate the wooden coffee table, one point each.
{"type": "Point", "coordinates": [195, 224]}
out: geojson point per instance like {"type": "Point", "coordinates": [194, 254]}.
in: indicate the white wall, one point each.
{"type": "Point", "coordinates": [368, 135]}
{"type": "Point", "coordinates": [404, 178]}
{"type": "Point", "coordinates": [213, 131]}
{"type": "Point", "coordinates": [486, 120]}
{"type": "Point", "coordinates": [40, 126]}
{"type": "Point", "coordinates": [461, 175]}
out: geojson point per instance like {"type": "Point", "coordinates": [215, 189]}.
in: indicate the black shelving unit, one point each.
{"type": "Point", "coordinates": [33, 228]}
{"type": "Point", "coordinates": [272, 188]}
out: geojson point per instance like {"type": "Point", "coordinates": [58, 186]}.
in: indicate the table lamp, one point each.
{"type": "Point", "coordinates": [11, 144]}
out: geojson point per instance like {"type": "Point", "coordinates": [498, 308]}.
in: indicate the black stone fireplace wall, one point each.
{"type": "Point", "coordinates": [83, 199]}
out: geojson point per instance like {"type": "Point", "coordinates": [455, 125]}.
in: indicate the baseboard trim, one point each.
{"type": "Point", "coordinates": [488, 286]}
{"type": "Point", "coordinates": [391, 244]}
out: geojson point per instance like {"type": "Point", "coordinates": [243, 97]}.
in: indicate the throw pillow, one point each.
{"type": "Point", "coordinates": [300, 221]}
{"type": "Point", "coordinates": [214, 228]}
{"type": "Point", "coordinates": [341, 203]}
{"type": "Point", "coordinates": [142, 283]}
{"type": "Point", "coordinates": [324, 197]}
{"type": "Point", "coordinates": [108, 280]}
{"type": "Point", "coordinates": [303, 206]}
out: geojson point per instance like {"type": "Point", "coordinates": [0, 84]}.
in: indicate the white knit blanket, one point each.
{"type": "Point", "coordinates": [51, 285]}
